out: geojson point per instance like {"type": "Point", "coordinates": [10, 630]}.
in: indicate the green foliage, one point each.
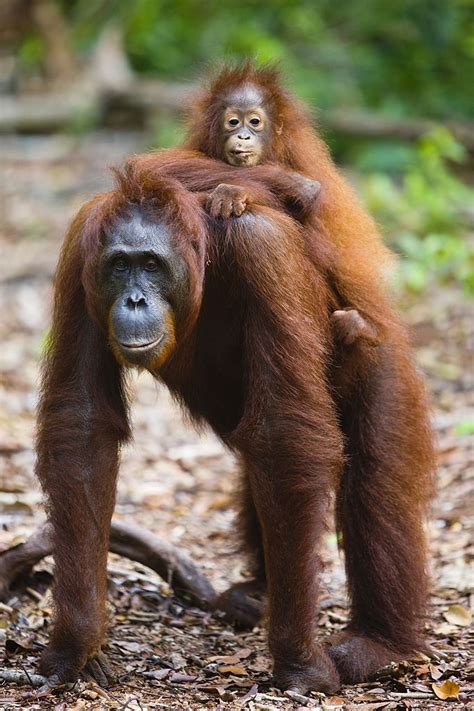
{"type": "Point", "coordinates": [465, 427]}
{"type": "Point", "coordinates": [166, 132]}
{"type": "Point", "coordinates": [380, 156]}
{"type": "Point", "coordinates": [423, 216]}
{"type": "Point", "coordinates": [31, 51]}
{"type": "Point", "coordinates": [402, 56]}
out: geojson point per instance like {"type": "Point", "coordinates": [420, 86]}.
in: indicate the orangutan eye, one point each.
{"type": "Point", "coordinates": [233, 122]}
{"type": "Point", "coordinates": [151, 265]}
{"type": "Point", "coordinates": [120, 264]}
{"type": "Point", "coordinates": [255, 121]}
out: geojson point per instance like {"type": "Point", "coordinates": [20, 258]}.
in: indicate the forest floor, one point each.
{"type": "Point", "coordinates": [181, 484]}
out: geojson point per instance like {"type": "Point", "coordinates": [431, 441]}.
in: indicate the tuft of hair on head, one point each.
{"type": "Point", "coordinates": [226, 77]}
{"type": "Point", "coordinates": [161, 197]}
{"type": "Point", "coordinates": [267, 76]}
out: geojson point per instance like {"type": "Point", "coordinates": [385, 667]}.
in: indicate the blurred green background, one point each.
{"type": "Point", "coordinates": [368, 60]}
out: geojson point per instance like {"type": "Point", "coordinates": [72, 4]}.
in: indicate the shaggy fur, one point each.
{"type": "Point", "coordinates": [254, 358]}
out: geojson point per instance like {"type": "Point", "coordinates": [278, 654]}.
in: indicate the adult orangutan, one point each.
{"type": "Point", "coordinates": [234, 317]}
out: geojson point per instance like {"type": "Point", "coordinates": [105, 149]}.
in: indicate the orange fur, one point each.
{"type": "Point", "coordinates": [254, 359]}
{"type": "Point", "coordinates": [361, 255]}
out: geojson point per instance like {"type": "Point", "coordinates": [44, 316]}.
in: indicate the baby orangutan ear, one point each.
{"type": "Point", "coordinates": [279, 127]}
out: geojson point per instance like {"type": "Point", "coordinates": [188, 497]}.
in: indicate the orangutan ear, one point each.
{"type": "Point", "coordinates": [279, 127]}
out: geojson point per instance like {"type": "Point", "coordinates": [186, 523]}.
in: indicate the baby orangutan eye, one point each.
{"type": "Point", "coordinates": [255, 121]}
{"type": "Point", "coordinates": [233, 122]}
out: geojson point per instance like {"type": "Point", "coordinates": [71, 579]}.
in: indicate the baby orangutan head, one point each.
{"type": "Point", "coordinates": [246, 127]}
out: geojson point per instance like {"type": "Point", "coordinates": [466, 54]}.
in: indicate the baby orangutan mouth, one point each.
{"type": "Point", "coordinates": [249, 158]}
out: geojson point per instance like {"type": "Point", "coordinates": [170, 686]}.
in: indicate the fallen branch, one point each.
{"type": "Point", "coordinates": [130, 541]}
{"type": "Point", "coordinates": [143, 98]}
{"type": "Point", "coordinates": [410, 695]}
{"type": "Point", "coordinates": [46, 112]}
{"type": "Point", "coordinates": [22, 678]}
{"type": "Point", "coordinates": [168, 561]}
{"type": "Point", "coordinates": [108, 86]}
{"type": "Point", "coordinates": [237, 604]}
{"type": "Point", "coordinates": [51, 111]}
{"type": "Point", "coordinates": [365, 124]}
{"type": "Point", "coordinates": [19, 560]}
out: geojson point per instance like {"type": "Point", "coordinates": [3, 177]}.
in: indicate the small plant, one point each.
{"type": "Point", "coordinates": [426, 216]}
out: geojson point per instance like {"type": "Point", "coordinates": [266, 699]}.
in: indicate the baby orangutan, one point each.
{"type": "Point", "coordinates": [246, 129]}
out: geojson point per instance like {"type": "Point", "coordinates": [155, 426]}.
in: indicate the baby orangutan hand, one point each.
{"type": "Point", "coordinates": [227, 201]}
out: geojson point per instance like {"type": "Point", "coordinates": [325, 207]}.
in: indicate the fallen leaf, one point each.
{"type": "Point", "coordinates": [233, 669]}
{"type": "Point", "coordinates": [423, 669]}
{"type": "Point", "coordinates": [435, 672]}
{"type": "Point", "coordinates": [419, 656]}
{"type": "Point", "coordinates": [418, 686]}
{"type": "Point", "coordinates": [458, 615]}
{"type": "Point", "coordinates": [220, 691]}
{"type": "Point", "coordinates": [231, 658]}
{"type": "Point", "coordinates": [179, 677]}
{"type": "Point", "coordinates": [367, 707]}
{"type": "Point", "coordinates": [90, 694]}
{"type": "Point", "coordinates": [251, 694]}
{"type": "Point", "coordinates": [447, 690]}
{"type": "Point", "coordinates": [13, 647]}
{"type": "Point", "coordinates": [158, 674]}
{"type": "Point", "coordinates": [133, 647]}
{"type": "Point", "coordinates": [177, 661]}
{"type": "Point", "coordinates": [446, 630]}
{"type": "Point", "coordinates": [221, 503]}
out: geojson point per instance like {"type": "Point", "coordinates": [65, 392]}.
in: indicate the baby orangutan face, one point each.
{"type": "Point", "coordinates": [246, 127]}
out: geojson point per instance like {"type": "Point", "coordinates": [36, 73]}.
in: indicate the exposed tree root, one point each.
{"type": "Point", "coordinates": [145, 547]}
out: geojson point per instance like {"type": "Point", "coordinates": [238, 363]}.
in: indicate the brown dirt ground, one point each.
{"type": "Point", "coordinates": [181, 484]}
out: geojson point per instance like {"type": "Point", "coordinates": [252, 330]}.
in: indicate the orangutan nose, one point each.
{"type": "Point", "coordinates": [136, 300]}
